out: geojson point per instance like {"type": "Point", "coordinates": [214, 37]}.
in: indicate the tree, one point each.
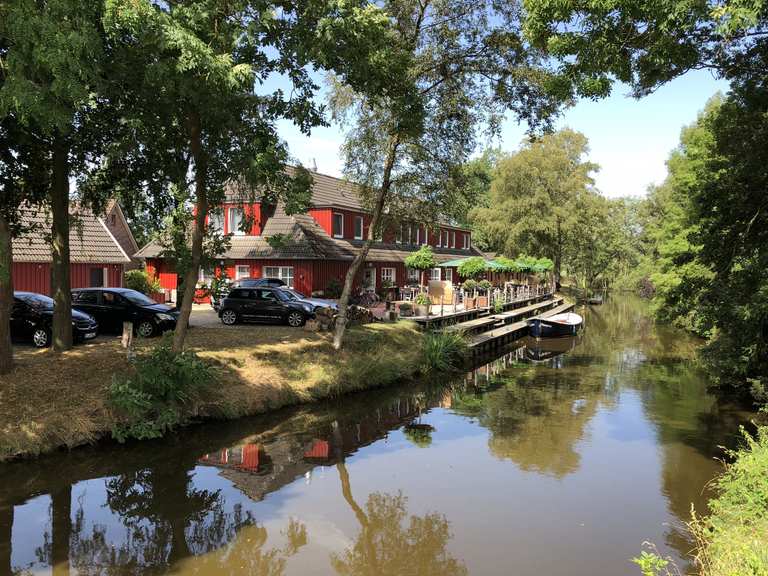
{"type": "Point", "coordinates": [534, 194]}
{"type": "Point", "coordinates": [467, 63]}
{"type": "Point", "coordinates": [423, 259]}
{"type": "Point", "coordinates": [197, 119]}
{"type": "Point", "coordinates": [644, 44]}
{"type": "Point", "coordinates": [51, 66]}
{"type": "Point", "coordinates": [472, 267]}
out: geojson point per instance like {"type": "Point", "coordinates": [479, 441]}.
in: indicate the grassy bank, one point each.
{"type": "Point", "coordinates": [52, 401]}
{"type": "Point", "coordinates": [733, 539]}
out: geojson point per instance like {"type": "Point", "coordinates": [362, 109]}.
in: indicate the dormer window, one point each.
{"type": "Point", "coordinates": [453, 238]}
{"type": "Point", "coordinates": [338, 225]}
{"type": "Point", "coordinates": [358, 227]}
{"type": "Point", "coordinates": [439, 238]}
{"type": "Point", "coordinates": [466, 241]}
{"type": "Point", "coordinates": [236, 221]}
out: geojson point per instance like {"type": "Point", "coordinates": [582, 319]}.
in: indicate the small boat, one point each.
{"type": "Point", "coordinates": [566, 324]}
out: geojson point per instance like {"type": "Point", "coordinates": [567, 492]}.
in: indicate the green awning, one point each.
{"type": "Point", "coordinates": [489, 264]}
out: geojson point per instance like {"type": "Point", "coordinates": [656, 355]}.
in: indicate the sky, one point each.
{"type": "Point", "coordinates": [630, 139]}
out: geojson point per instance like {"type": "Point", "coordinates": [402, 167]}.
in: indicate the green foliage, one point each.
{"type": "Point", "coordinates": [731, 540]}
{"type": "Point", "coordinates": [422, 299]}
{"type": "Point", "coordinates": [277, 241]}
{"type": "Point", "coordinates": [484, 285]}
{"type": "Point", "coordinates": [419, 434]}
{"type": "Point", "coordinates": [650, 563]}
{"type": "Point", "coordinates": [469, 285]}
{"type": "Point", "coordinates": [333, 290]}
{"type": "Point", "coordinates": [140, 281]}
{"type": "Point", "coordinates": [498, 307]}
{"type": "Point", "coordinates": [422, 259]}
{"type": "Point", "coordinates": [444, 352]}
{"type": "Point", "coordinates": [219, 284]}
{"type": "Point", "coordinates": [472, 267]}
{"type": "Point", "coordinates": [159, 394]}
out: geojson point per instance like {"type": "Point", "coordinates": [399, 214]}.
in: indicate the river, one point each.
{"type": "Point", "coordinates": [553, 460]}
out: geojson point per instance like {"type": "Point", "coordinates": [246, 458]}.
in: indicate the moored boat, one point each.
{"type": "Point", "coordinates": [566, 324]}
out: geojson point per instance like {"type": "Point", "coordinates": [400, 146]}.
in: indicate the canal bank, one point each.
{"type": "Point", "coordinates": [537, 462]}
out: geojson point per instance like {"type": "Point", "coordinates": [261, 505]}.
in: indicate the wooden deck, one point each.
{"type": "Point", "coordinates": [503, 334]}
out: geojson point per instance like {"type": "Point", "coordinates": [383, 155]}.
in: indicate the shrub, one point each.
{"type": "Point", "coordinates": [484, 285]}
{"type": "Point", "coordinates": [334, 288]}
{"type": "Point", "coordinates": [469, 285]}
{"type": "Point", "coordinates": [472, 267]}
{"type": "Point", "coordinates": [422, 299]}
{"type": "Point", "coordinates": [498, 307]}
{"type": "Point", "coordinates": [142, 282]}
{"type": "Point", "coordinates": [158, 394]}
{"type": "Point", "coordinates": [444, 352]}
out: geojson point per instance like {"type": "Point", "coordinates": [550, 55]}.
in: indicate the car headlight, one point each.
{"type": "Point", "coordinates": [165, 317]}
{"type": "Point", "coordinates": [308, 308]}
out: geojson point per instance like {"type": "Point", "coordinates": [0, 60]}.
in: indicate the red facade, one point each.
{"type": "Point", "coordinates": [36, 276]}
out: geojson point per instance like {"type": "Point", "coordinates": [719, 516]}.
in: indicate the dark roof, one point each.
{"type": "Point", "coordinates": [89, 239]}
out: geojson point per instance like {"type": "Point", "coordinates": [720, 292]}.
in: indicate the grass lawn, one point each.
{"type": "Point", "coordinates": [52, 401]}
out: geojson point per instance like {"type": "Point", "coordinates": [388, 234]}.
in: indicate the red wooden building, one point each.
{"type": "Point", "coordinates": [97, 258]}
{"type": "Point", "coordinates": [308, 251]}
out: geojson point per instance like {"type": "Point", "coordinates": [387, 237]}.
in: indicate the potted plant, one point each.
{"type": "Point", "coordinates": [422, 304]}
{"type": "Point", "coordinates": [470, 296]}
{"type": "Point", "coordinates": [406, 309]}
{"type": "Point", "coordinates": [484, 288]}
{"type": "Point", "coordinates": [423, 259]}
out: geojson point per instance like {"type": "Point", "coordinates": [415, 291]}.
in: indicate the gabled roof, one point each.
{"type": "Point", "coordinates": [89, 239]}
{"type": "Point", "coordinates": [301, 237]}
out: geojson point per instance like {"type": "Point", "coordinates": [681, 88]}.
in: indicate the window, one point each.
{"type": "Point", "coordinates": [453, 239]}
{"type": "Point", "coordinates": [284, 273]}
{"type": "Point", "coordinates": [425, 236]}
{"type": "Point", "coordinates": [418, 234]}
{"type": "Point", "coordinates": [399, 235]}
{"type": "Point", "coordinates": [216, 222]}
{"type": "Point", "coordinates": [434, 274]}
{"type": "Point", "coordinates": [358, 227]}
{"type": "Point", "coordinates": [236, 221]}
{"type": "Point", "coordinates": [449, 274]}
{"type": "Point", "coordinates": [86, 297]}
{"type": "Point", "coordinates": [388, 275]}
{"type": "Point", "coordinates": [413, 275]}
{"type": "Point", "coordinates": [240, 293]}
{"type": "Point", "coordinates": [338, 225]}
{"type": "Point", "coordinates": [445, 241]}
{"type": "Point", "coordinates": [112, 299]}
{"type": "Point", "coordinates": [99, 278]}
{"type": "Point", "coordinates": [466, 241]}
{"type": "Point", "coordinates": [242, 272]}
{"type": "Point", "coordinates": [265, 295]}
{"type": "Point", "coordinates": [439, 238]}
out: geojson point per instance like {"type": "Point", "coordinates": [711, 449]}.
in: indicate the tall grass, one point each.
{"type": "Point", "coordinates": [444, 352]}
{"type": "Point", "coordinates": [733, 539]}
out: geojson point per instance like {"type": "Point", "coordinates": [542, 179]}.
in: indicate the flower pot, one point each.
{"type": "Point", "coordinates": [421, 309]}
{"type": "Point", "coordinates": [470, 303]}
{"type": "Point", "coordinates": [482, 301]}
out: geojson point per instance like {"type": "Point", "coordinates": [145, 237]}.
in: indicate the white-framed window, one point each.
{"type": "Point", "coordinates": [449, 274]}
{"type": "Point", "coordinates": [439, 238]}
{"type": "Point", "coordinates": [446, 238]}
{"type": "Point", "coordinates": [242, 271]}
{"type": "Point", "coordinates": [358, 227]}
{"type": "Point", "coordinates": [236, 221]}
{"type": "Point", "coordinates": [466, 241]}
{"type": "Point", "coordinates": [453, 238]}
{"type": "Point", "coordinates": [413, 275]}
{"type": "Point", "coordinates": [284, 273]}
{"type": "Point", "coordinates": [337, 225]}
{"type": "Point", "coordinates": [434, 273]}
{"type": "Point", "coordinates": [388, 275]}
{"type": "Point", "coordinates": [216, 221]}
{"type": "Point", "coordinates": [204, 276]}
{"type": "Point", "coordinates": [399, 234]}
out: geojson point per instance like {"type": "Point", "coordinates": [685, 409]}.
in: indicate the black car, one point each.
{"type": "Point", "coordinates": [244, 283]}
{"type": "Point", "coordinates": [113, 306]}
{"type": "Point", "coordinates": [263, 305]}
{"type": "Point", "coordinates": [32, 318]}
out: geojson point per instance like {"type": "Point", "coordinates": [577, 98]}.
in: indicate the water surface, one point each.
{"type": "Point", "coordinates": [559, 459]}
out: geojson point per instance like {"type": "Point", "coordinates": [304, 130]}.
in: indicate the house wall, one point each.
{"type": "Point", "coordinates": [36, 276]}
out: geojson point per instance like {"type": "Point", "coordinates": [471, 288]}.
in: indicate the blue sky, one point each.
{"type": "Point", "coordinates": [630, 139]}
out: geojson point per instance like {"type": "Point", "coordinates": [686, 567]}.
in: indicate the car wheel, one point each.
{"type": "Point", "coordinates": [229, 317]}
{"type": "Point", "coordinates": [41, 337]}
{"type": "Point", "coordinates": [295, 319]}
{"type": "Point", "coordinates": [146, 329]}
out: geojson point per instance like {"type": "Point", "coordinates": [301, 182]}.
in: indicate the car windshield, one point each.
{"type": "Point", "coordinates": [39, 301]}
{"type": "Point", "coordinates": [285, 295]}
{"type": "Point", "coordinates": [138, 298]}
{"type": "Point", "coordinates": [293, 294]}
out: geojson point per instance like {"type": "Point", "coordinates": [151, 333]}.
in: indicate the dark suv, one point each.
{"type": "Point", "coordinates": [263, 305]}
{"type": "Point", "coordinates": [244, 283]}
{"type": "Point", "coordinates": [113, 306]}
{"type": "Point", "coordinates": [32, 318]}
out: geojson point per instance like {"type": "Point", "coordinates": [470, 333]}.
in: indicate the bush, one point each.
{"type": "Point", "coordinates": [469, 285]}
{"type": "Point", "coordinates": [422, 299]}
{"type": "Point", "coordinates": [444, 352]}
{"type": "Point", "coordinates": [142, 282]}
{"type": "Point", "coordinates": [484, 285]}
{"type": "Point", "coordinates": [158, 395]}
{"type": "Point", "coordinates": [472, 267]}
{"type": "Point", "coordinates": [334, 288]}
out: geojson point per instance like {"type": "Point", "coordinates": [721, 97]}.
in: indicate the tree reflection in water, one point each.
{"type": "Point", "coordinates": [386, 546]}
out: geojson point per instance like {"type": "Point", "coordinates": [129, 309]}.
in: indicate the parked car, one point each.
{"type": "Point", "coordinates": [314, 302]}
{"type": "Point", "coordinates": [263, 305]}
{"type": "Point", "coordinates": [113, 306]}
{"type": "Point", "coordinates": [244, 283]}
{"type": "Point", "coordinates": [32, 318]}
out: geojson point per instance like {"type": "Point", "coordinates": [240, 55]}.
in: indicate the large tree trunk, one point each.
{"type": "Point", "coordinates": [378, 209]}
{"type": "Point", "coordinates": [6, 297]}
{"type": "Point", "coordinates": [198, 232]}
{"type": "Point", "coordinates": [60, 286]}
{"type": "Point", "coordinates": [61, 502]}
